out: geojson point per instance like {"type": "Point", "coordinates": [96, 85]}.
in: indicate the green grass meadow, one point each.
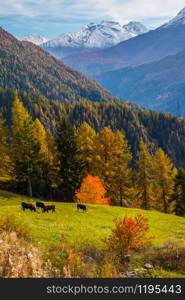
{"type": "Point", "coordinates": [78, 228]}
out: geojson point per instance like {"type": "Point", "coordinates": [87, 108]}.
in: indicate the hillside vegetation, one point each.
{"type": "Point", "coordinates": [158, 85]}
{"type": "Point", "coordinates": [73, 240]}
{"type": "Point", "coordinates": [155, 128]}
{"type": "Point", "coordinates": [80, 229]}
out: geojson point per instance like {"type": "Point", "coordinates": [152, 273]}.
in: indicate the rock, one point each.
{"type": "Point", "coordinates": [132, 273]}
{"type": "Point", "coordinates": [129, 274]}
{"type": "Point", "coordinates": [89, 259]}
{"type": "Point", "coordinates": [148, 266]}
{"type": "Point", "coordinates": [127, 259]}
{"type": "Point", "coordinates": [123, 275]}
{"type": "Point", "coordinates": [137, 270]}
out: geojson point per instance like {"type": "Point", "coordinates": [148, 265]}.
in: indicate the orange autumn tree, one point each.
{"type": "Point", "coordinates": [129, 234]}
{"type": "Point", "coordinates": [92, 191]}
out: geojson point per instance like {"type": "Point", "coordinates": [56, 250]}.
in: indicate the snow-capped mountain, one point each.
{"type": "Point", "coordinates": [168, 39]}
{"type": "Point", "coordinates": [137, 28]}
{"type": "Point", "coordinates": [179, 19]}
{"type": "Point", "coordinates": [35, 39]}
{"type": "Point", "coordinates": [94, 36]}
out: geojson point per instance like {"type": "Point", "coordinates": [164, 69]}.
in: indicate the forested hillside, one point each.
{"type": "Point", "coordinates": [158, 85]}
{"type": "Point", "coordinates": [156, 129]}
{"type": "Point", "coordinates": [26, 67]}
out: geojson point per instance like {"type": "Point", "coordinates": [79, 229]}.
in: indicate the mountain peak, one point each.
{"type": "Point", "coordinates": [179, 19]}
{"type": "Point", "coordinates": [136, 28]}
{"type": "Point", "coordinates": [94, 36]}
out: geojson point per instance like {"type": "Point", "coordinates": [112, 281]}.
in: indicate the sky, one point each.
{"type": "Point", "coordinates": [50, 18]}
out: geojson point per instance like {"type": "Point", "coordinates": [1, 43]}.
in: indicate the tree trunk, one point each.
{"type": "Point", "coordinates": [51, 194]}
{"type": "Point", "coordinates": [165, 204]}
{"type": "Point", "coordinates": [30, 193]}
{"type": "Point", "coordinates": [121, 198]}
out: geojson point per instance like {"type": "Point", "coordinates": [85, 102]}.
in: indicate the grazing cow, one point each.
{"type": "Point", "coordinates": [28, 206]}
{"type": "Point", "coordinates": [82, 207]}
{"type": "Point", "coordinates": [48, 208]}
{"type": "Point", "coordinates": [40, 204]}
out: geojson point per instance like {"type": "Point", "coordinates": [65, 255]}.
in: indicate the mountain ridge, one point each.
{"type": "Point", "coordinates": [157, 85]}
{"type": "Point", "coordinates": [27, 67]}
{"type": "Point", "coordinates": [151, 46]}
{"type": "Point", "coordinates": [93, 36]}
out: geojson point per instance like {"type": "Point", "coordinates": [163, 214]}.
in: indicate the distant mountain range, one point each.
{"type": "Point", "coordinates": [92, 37]}
{"type": "Point", "coordinates": [148, 69]}
{"type": "Point", "coordinates": [158, 85]}
{"type": "Point", "coordinates": [153, 45]}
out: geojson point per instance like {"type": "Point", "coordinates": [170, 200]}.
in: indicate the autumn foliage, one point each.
{"type": "Point", "coordinates": [92, 191]}
{"type": "Point", "coordinates": [128, 234]}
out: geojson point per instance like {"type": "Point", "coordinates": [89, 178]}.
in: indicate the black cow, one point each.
{"type": "Point", "coordinates": [40, 204]}
{"type": "Point", "coordinates": [48, 208]}
{"type": "Point", "coordinates": [82, 207]}
{"type": "Point", "coordinates": [28, 206]}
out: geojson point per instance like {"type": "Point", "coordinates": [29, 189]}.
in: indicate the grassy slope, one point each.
{"type": "Point", "coordinates": [79, 229]}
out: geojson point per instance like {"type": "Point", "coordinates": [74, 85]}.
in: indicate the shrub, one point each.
{"type": "Point", "coordinates": [70, 263]}
{"type": "Point", "coordinates": [107, 269]}
{"type": "Point", "coordinates": [170, 256]}
{"type": "Point", "coordinates": [89, 263]}
{"type": "Point", "coordinates": [9, 223]}
{"type": "Point", "coordinates": [128, 234]}
{"type": "Point", "coordinates": [76, 266]}
{"type": "Point", "coordinates": [57, 255]}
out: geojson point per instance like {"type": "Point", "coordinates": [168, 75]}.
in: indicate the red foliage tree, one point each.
{"type": "Point", "coordinates": [128, 234]}
{"type": "Point", "coordinates": [92, 191]}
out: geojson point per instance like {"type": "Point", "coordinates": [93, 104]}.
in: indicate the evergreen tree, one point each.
{"type": "Point", "coordinates": [164, 173]}
{"type": "Point", "coordinates": [48, 154]}
{"type": "Point", "coordinates": [105, 152]}
{"type": "Point", "coordinates": [5, 163]}
{"type": "Point", "coordinates": [53, 163]}
{"type": "Point", "coordinates": [111, 160]}
{"type": "Point", "coordinates": [70, 166]}
{"type": "Point", "coordinates": [25, 148]}
{"type": "Point", "coordinates": [144, 177]}
{"type": "Point", "coordinates": [120, 187]}
{"type": "Point", "coordinates": [86, 145]}
{"type": "Point", "coordinates": [41, 138]}
{"type": "Point", "coordinates": [178, 195]}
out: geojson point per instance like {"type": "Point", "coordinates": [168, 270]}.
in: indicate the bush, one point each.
{"type": "Point", "coordinates": [129, 234]}
{"type": "Point", "coordinates": [9, 223]}
{"type": "Point", "coordinates": [171, 256]}
{"type": "Point", "coordinates": [70, 263]}
{"type": "Point", "coordinates": [89, 263]}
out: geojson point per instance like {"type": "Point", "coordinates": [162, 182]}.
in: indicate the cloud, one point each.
{"type": "Point", "coordinates": [83, 11]}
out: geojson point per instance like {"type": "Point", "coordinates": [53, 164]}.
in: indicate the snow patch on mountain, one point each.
{"type": "Point", "coordinates": [137, 28]}
{"type": "Point", "coordinates": [35, 39]}
{"type": "Point", "coordinates": [103, 35]}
